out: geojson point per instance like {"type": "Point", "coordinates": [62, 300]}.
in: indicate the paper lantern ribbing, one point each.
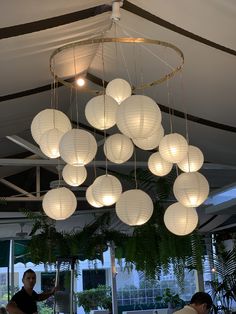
{"type": "Point", "coordinates": [118, 89]}
{"type": "Point", "coordinates": [134, 207]}
{"type": "Point", "coordinates": [118, 148]}
{"type": "Point", "coordinates": [49, 119]}
{"type": "Point", "coordinates": [191, 189]}
{"type": "Point", "coordinates": [138, 116]}
{"type": "Point", "coordinates": [150, 142]}
{"type": "Point", "coordinates": [180, 220]}
{"type": "Point", "coordinates": [100, 112]}
{"type": "Point", "coordinates": [106, 189]}
{"type": "Point", "coordinates": [73, 175]}
{"type": "Point", "coordinates": [49, 143]}
{"type": "Point", "coordinates": [78, 147]}
{"type": "Point", "coordinates": [90, 198]}
{"type": "Point", "coordinates": [193, 161]}
{"type": "Point", "coordinates": [159, 166]}
{"type": "Point", "coordinates": [59, 204]}
{"type": "Point", "coordinates": [173, 147]}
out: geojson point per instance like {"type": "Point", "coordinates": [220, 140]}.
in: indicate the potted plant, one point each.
{"type": "Point", "coordinates": [171, 300]}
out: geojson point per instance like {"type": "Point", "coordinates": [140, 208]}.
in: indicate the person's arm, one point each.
{"type": "Point", "coordinates": [45, 295]}
{"type": "Point", "coordinates": [12, 308]}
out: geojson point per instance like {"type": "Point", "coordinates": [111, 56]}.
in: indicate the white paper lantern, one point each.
{"type": "Point", "coordinates": [100, 112]}
{"type": "Point", "coordinates": [118, 89]}
{"type": "Point", "coordinates": [180, 220]}
{"type": "Point", "coordinates": [106, 189]}
{"type": "Point", "coordinates": [118, 148]}
{"type": "Point", "coordinates": [138, 116]}
{"type": "Point", "coordinates": [173, 147]}
{"type": "Point", "coordinates": [49, 143]}
{"type": "Point", "coordinates": [191, 189]}
{"type": "Point", "coordinates": [78, 147]}
{"type": "Point", "coordinates": [73, 175]}
{"type": "Point", "coordinates": [90, 198]}
{"type": "Point", "coordinates": [152, 141]}
{"type": "Point", "coordinates": [49, 119]}
{"type": "Point", "coordinates": [59, 203]}
{"type": "Point", "coordinates": [159, 166]}
{"type": "Point", "coordinates": [134, 207]}
{"type": "Point", "coordinates": [193, 161]}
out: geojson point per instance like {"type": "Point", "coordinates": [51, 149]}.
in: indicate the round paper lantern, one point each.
{"type": "Point", "coordinates": [138, 116]}
{"type": "Point", "coordinates": [150, 142]}
{"type": "Point", "coordinates": [180, 220]}
{"type": "Point", "coordinates": [49, 143]}
{"type": "Point", "coordinates": [118, 89]}
{"type": "Point", "coordinates": [90, 198]}
{"type": "Point", "coordinates": [59, 203]}
{"type": "Point", "coordinates": [78, 147]}
{"type": "Point", "coordinates": [191, 189]}
{"type": "Point", "coordinates": [173, 147]}
{"type": "Point", "coordinates": [193, 161]}
{"type": "Point", "coordinates": [106, 189]}
{"type": "Point", "coordinates": [49, 119]}
{"type": "Point", "coordinates": [134, 207]}
{"type": "Point", "coordinates": [73, 175]}
{"type": "Point", "coordinates": [118, 148]}
{"type": "Point", "coordinates": [100, 112]}
{"type": "Point", "coordinates": [159, 166]}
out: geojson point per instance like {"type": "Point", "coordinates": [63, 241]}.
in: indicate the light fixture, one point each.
{"type": "Point", "coordinates": [80, 81]}
{"type": "Point", "coordinates": [78, 147]}
{"type": "Point", "coordinates": [191, 189]}
{"type": "Point", "coordinates": [49, 119]}
{"type": "Point", "coordinates": [118, 148]}
{"type": "Point", "coordinates": [106, 189]}
{"type": "Point", "coordinates": [100, 112]}
{"type": "Point", "coordinates": [173, 147]}
{"type": "Point", "coordinates": [134, 207]}
{"type": "Point", "coordinates": [138, 116]}
{"type": "Point", "coordinates": [90, 198]}
{"type": "Point", "coordinates": [180, 220]}
{"type": "Point", "coordinates": [152, 141]}
{"type": "Point", "coordinates": [118, 89]}
{"type": "Point", "coordinates": [159, 166]}
{"type": "Point", "coordinates": [73, 175]}
{"type": "Point", "coordinates": [59, 203]}
{"type": "Point", "coordinates": [193, 161]}
{"type": "Point", "coordinates": [49, 143]}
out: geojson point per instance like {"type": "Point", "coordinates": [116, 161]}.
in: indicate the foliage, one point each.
{"type": "Point", "coordinates": [44, 309]}
{"type": "Point", "coordinates": [95, 298]}
{"type": "Point", "coordinates": [171, 299]}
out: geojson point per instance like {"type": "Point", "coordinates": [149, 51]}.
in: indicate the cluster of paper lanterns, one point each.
{"type": "Point", "coordinates": [138, 119]}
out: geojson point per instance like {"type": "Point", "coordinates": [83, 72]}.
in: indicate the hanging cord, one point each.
{"type": "Point", "coordinates": [168, 105]}
{"type": "Point", "coordinates": [76, 91]}
{"type": "Point", "coordinates": [135, 170]}
{"type": "Point", "coordinates": [94, 159]}
{"type": "Point", "coordinates": [104, 100]}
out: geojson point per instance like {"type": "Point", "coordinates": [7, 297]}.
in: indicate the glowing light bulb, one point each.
{"type": "Point", "coordinates": [80, 82]}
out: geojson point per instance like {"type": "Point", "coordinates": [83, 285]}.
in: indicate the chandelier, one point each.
{"type": "Point", "coordinates": [120, 102]}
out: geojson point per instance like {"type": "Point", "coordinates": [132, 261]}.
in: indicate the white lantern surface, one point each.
{"type": "Point", "coordinates": [118, 148]}
{"type": "Point", "coordinates": [106, 189]}
{"type": "Point", "coordinates": [152, 141]}
{"type": "Point", "coordinates": [90, 198]}
{"type": "Point", "coordinates": [49, 143]}
{"type": "Point", "coordinates": [100, 111]}
{"type": "Point", "coordinates": [159, 166]}
{"type": "Point", "coordinates": [191, 189]}
{"type": "Point", "coordinates": [180, 220]}
{"type": "Point", "coordinates": [78, 147]}
{"type": "Point", "coordinates": [49, 119]}
{"type": "Point", "coordinates": [193, 161]}
{"type": "Point", "coordinates": [59, 204]}
{"type": "Point", "coordinates": [118, 89]}
{"type": "Point", "coordinates": [138, 116]}
{"type": "Point", "coordinates": [173, 147]}
{"type": "Point", "coordinates": [73, 175]}
{"type": "Point", "coordinates": [134, 207]}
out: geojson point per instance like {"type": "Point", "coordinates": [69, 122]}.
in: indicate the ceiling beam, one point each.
{"type": "Point", "coordinates": [16, 188]}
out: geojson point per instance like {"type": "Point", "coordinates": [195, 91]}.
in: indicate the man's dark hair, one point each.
{"type": "Point", "coordinates": [201, 298]}
{"type": "Point", "coordinates": [28, 271]}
